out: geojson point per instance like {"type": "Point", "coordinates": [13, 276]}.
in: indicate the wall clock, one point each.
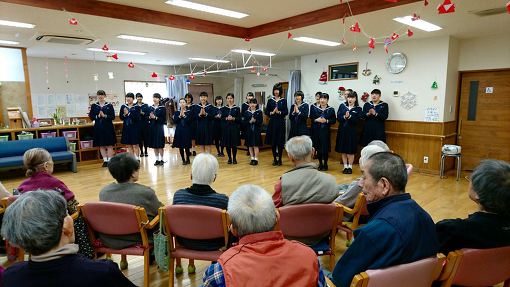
{"type": "Point", "coordinates": [396, 63]}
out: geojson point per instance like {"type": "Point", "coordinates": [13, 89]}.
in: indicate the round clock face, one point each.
{"type": "Point", "coordinates": [396, 63]}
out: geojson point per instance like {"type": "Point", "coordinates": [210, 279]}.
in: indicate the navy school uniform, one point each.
{"type": "Point", "coordinates": [374, 125]}
{"type": "Point", "coordinates": [204, 135]}
{"type": "Point", "coordinates": [321, 135]}
{"type": "Point", "coordinates": [298, 121]}
{"type": "Point", "coordinates": [131, 124]}
{"type": "Point", "coordinates": [182, 137]}
{"type": "Point", "coordinates": [144, 123]}
{"type": "Point", "coordinates": [311, 110]}
{"type": "Point", "coordinates": [217, 125]}
{"type": "Point", "coordinates": [346, 138]}
{"type": "Point", "coordinates": [193, 125]}
{"type": "Point", "coordinates": [230, 129]}
{"type": "Point", "coordinates": [253, 130]}
{"type": "Point", "coordinates": [104, 133]}
{"type": "Point", "coordinates": [157, 127]}
{"type": "Point", "coordinates": [244, 107]}
{"type": "Point", "coordinates": [275, 134]}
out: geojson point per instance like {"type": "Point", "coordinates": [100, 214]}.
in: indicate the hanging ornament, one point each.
{"type": "Point", "coordinates": [508, 7]}
{"type": "Point", "coordinates": [408, 101]}
{"type": "Point", "coordinates": [410, 33]}
{"type": "Point", "coordinates": [341, 90]}
{"type": "Point", "coordinates": [323, 79]}
{"type": "Point", "coordinates": [366, 71]}
{"type": "Point", "coordinates": [115, 56]}
{"type": "Point", "coordinates": [154, 75]}
{"type": "Point", "coordinates": [343, 18]}
{"type": "Point", "coordinates": [387, 42]}
{"type": "Point", "coordinates": [131, 65]}
{"type": "Point", "coordinates": [371, 43]}
{"type": "Point", "coordinates": [192, 76]}
{"type": "Point", "coordinates": [355, 28]}
{"type": "Point", "coordinates": [415, 17]}
{"type": "Point", "coordinates": [434, 85]}
{"type": "Point", "coordinates": [171, 78]}
{"type": "Point", "coordinates": [425, 2]}
{"type": "Point", "coordinates": [354, 47]}
{"type": "Point", "coordinates": [376, 80]}
{"type": "Point", "coordinates": [264, 68]}
{"type": "Point", "coordinates": [247, 39]}
{"type": "Point", "coordinates": [105, 48]}
{"type": "Point", "coordinates": [364, 97]}
{"type": "Point", "coordinates": [394, 36]}
{"type": "Point", "coordinates": [258, 74]}
{"type": "Point", "coordinates": [73, 21]}
{"type": "Point", "coordinates": [289, 35]}
{"type": "Point", "coordinates": [253, 70]}
{"type": "Point", "coordinates": [446, 7]}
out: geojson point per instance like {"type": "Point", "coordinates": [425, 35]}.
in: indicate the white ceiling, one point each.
{"type": "Point", "coordinates": [460, 24]}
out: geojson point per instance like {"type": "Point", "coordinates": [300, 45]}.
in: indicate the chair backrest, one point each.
{"type": "Point", "coordinates": [481, 267]}
{"type": "Point", "coordinates": [417, 274]}
{"type": "Point", "coordinates": [360, 208]}
{"type": "Point", "coordinates": [195, 221]}
{"type": "Point", "coordinates": [113, 218]}
{"type": "Point", "coordinates": [307, 220]}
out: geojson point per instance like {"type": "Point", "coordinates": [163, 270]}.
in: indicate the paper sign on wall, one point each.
{"type": "Point", "coordinates": [431, 114]}
{"type": "Point", "coordinates": [489, 90]}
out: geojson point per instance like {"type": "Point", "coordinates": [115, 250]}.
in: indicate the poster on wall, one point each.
{"type": "Point", "coordinates": [74, 105]}
{"type": "Point", "coordinates": [431, 114]}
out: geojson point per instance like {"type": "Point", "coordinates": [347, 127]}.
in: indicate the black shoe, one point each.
{"type": "Point", "coordinates": [275, 162]}
{"type": "Point", "coordinates": [105, 164]}
{"type": "Point", "coordinates": [252, 162]}
{"type": "Point", "coordinates": [345, 171]}
{"type": "Point", "coordinates": [229, 161]}
{"type": "Point", "coordinates": [234, 161]}
{"type": "Point", "coordinates": [325, 167]}
{"type": "Point", "coordinates": [349, 171]}
{"type": "Point", "coordinates": [184, 162]}
{"type": "Point", "coordinates": [141, 154]}
{"type": "Point", "coordinates": [161, 162]}
{"type": "Point", "coordinates": [218, 154]}
{"type": "Point", "coordinates": [146, 154]}
{"type": "Point", "coordinates": [280, 162]}
{"type": "Point", "coordinates": [194, 153]}
{"type": "Point", "coordinates": [156, 163]}
{"type": "Point", "coordinates": [320, 167]}
{"type": "Point", "coordinates": [255, 162]}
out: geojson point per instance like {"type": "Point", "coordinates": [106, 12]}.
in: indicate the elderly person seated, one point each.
{"type": "Point", "coordinates": [203, 173]}
{"type": "Point", "coordinates": [54, 260]}
{"type": "Point", "coordinates": [303, 183]}
{"type": "Point", "coordinates": [262, 257]}
{"type": "Point", "coordinates": [399, 231]}
{"type": "Point", "coordinates": [125, 168]}
{"type": "Point", "coordinates": [490, 226]}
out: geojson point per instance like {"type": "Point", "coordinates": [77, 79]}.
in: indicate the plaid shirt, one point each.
{"type": "Point", "coordinates": [214, 277]}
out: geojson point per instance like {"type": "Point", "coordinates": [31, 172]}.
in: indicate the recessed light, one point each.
{"type": "Point", "coordinates": [209, 60]}
{"type": "Point", "coordinates": [253, 52]}
{"type": "Point", "coordinates": [419, 24]}
{"type": "Point", "coordinates": [151, 40]}
{"type": "Point", "coordinates": [6, 42]}
{"type": "Point", "coordinates": [117, 51]}
{"type": "Point", "coordinates": [316, 41]}
{"type": "Point", "coordinates": [206, 8]}
{"type": "Point", "coordinates": [16, 24]}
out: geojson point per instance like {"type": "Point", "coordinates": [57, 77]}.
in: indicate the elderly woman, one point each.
{"type": "Point", "coordinates": [262, 257]}
{"type": "Point", "coordinates": [125, 169]}
{"type": "Point", "coordinates": [203, 174]}
{"type": "Point", "coordinates": [490, 226]}
{"type": "Point", "coordinates": [54, 260]}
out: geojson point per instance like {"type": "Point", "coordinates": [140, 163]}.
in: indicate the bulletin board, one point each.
{"type": "Point", "coordinates": [75, 105]}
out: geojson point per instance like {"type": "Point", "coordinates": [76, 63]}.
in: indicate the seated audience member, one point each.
{"type": "Point", "coordinates": [304, 183]}
{"type": "Point", "coordinates": [54, 260]}
{"type": "Point", "coordinates": [203, 173]}
{"type": "Point", "coordinates": [125, 169]}
{"type": "Point", "coordinates": [262, 257]}
{"type": "Point", "coordinates": [490, 226]}
{"type": "Point", "coordinates": [399, 230]}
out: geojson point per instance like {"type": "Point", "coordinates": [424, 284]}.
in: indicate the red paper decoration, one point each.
{"type": "Point", "coordinates": [425, 2]}
{"type": "Point", "coordinates": [247, 39]}
{"type": "Point", "coordinates": [371, 43]}
{"type": "Point", "coordinates": [131, 65]}
{"type": "Point", "coordinates": [171, 78]}
{"type": "Point", "coordinates": [105, 48]}
{"type": "Point", "coordinates": [154, 75]}
{"type": "Point", "coordinates": [341, 89]}
{"type": "Point", "coordinates": [508, 7]}
{"type": "Point", "coordinates": [409, 33]}
{"type": "Point", "coordinates": [446, 7]}
{"type": "Point", "coordinates": [115, 56]}
{"type": "Point", "coordinates": [415, 17]}
{"type": "Point", "coordinates": [355, 28]}
{"type": "Point", "coordinates": [264, 68]}
{"type": "Point", "coordinates": [192, 77]}
{"type": "Point", "coordinates": [394, 36]}
{"type": "Point", "coordinates": [365, 96]}
{"type": "Point", "coordinates": [73, 21]}
{"type": "Point", "coordinates": [289, 35]}
{"type": "Point", "coordinates": [324, 77]}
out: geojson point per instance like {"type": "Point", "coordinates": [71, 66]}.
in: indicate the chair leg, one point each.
{"type": "Point", "coordinates": [123, 262]}
{"type": "Point", "coordinates": [146, 266]}
{"type": "Point", "coordinates": [171, 271]}
{"type": "Point", "coordinates": [331, 262]}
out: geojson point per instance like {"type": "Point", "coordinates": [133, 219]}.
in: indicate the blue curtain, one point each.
{"type": "Point", "coordinates": [177, 88]}
{"type": "Point", "coordinates": [294, 85]}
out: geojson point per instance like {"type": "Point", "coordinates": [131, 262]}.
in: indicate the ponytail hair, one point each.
{"type": "Point", "coordinates": [33, 159]}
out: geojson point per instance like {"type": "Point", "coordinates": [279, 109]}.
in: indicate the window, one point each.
{"type": "Point", "coordinates": [147, 89]}
{"type": "Point", "coordinates": [348, 71]}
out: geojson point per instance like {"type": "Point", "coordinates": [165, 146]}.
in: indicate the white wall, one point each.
{"type": "Point", "coordinates": [491, 52]}
{"type": "Point", "coordinates": [426, 63]}
{"type": "Point", "coordinates": [452, 80]}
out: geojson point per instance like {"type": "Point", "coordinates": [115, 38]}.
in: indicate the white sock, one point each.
{"type": "Point", "coordinates": [346, 165]}
{"type": "Point", "coordinates": [256, 159]}
{"type": "Point", "coordinates": [252, 158]}
{"type": "Point", "coordinates": [349, 166]}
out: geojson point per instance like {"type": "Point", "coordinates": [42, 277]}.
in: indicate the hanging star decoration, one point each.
{"type": "Point", "coordinates": [73, 21]}
{"type": "Point", "coordinates": [131, 65]}
{"type": "Point", "coordinates": [355, 28]}
{"type": "Point", "coordinates": [446, 7]}
{"type": "Point", "coordinates": [171, 77]}
{"type": "Point", "coordinates": [410, 33]}
{"type": "Point", "coordinates": [154, 75]}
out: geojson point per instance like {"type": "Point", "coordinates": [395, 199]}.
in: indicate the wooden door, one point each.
{"type": "Point", "coordinates": [484, 117]}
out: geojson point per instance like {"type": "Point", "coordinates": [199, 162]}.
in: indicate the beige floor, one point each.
{"type": "Point", "coordinates": [442, 198]}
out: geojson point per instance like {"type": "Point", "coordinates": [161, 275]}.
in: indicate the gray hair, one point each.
{"type": "Point", "coordinates": [367, 152]}
{"type": "Point", "coordinates": [381, 144]}
{"type": "Point", "coordinates": [491, 182]}
{"type": "Point", "coordinates": [390, 166]}
{"type": "Point", "coordinates": [204, 169]}
{"type": "Point", "coordinates": [251, 210]}
{"type": "Point", "coordinates": [299, 148]}
{"type": "Point", "coordinates": [35, 220]}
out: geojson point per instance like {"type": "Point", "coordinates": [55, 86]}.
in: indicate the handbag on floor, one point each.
{"type": "Point", "coordinates": [161, 246]}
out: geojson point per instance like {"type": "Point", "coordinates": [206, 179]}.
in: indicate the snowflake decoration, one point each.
{"type": "Point", "coordinates": [408, 101]}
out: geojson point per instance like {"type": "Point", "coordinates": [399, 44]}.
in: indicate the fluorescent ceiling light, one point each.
{"type": "Point", "coordinates": [8, 42]}
{"type": "Point", "coordinates": [253, 52]}
{"type": "Point", "coordinates": [116, 51]}
{"type": "Point", "coordinates": [16, 24]}
{"type": "Point", "coordinates": [316, 41]}
{"type": "Point", "coordinates": [209, 60]}
{"type": "Point", "coordinates": [151, 40]}
{"type": "Point", "coordinates": [419, 24]}
{"type": "Point", "coordinates": [206, 8]}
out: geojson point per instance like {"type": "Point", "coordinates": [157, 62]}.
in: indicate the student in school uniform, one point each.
{"type": "Point", "coordinates": [349, 112]}
{"type": "Point", "coordinates": [231, 119]}
{"type": "Point", "coordinates": [157, 120]}
{"type": "Point", "coordinates": [103, 114]}
{"type": "Point", "coordinates": [182, 137]}
{"type": "Point", "coordinates": [375, 114]}
{"type": "Point", "coordinates": [312, 107]}
{"type": "Point", "coordinates": [322, 117]}
{"type": "Point", "coordinates": [130, 115]}
{"type": "Point", "coordinates": [191, 107]}
{"type": "Point", "coordinates": [298, 116]}
{"type": "Point", "coordinates": [144, 125]}
{"type": "Point", "coordinates": [217, 126]}
{"type": "Point", "coordinates": [277, 110]}
{"type": "Point", "coordinates": [204, 115]}
{"type": "Point", "coordinates": [244, 107]}
{"type": "Point", "coordinates": [253, 118]}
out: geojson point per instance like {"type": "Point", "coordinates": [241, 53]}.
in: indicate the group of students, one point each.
{"type": "Point", "coordinates": [143, 126]}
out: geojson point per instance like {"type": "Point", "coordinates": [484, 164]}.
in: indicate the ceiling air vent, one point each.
{"type": "Point", "coordinates": [489, 12]}
{"type": "Point", "coordinates": [68, 40]}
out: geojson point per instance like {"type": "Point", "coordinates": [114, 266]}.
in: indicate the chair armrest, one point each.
{"type": "Point", "coordinates": [152, 223]}
{"type": "Point", "coordinates": [349, 210]}
{"type": "Point", "coordinates": [329, 283]}
{"type": "Point", "coordinates": [75, 215]}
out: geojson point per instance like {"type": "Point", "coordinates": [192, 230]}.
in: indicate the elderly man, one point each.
{"type": "Point", "coordinates": [262, 257]}
{"type": "Point", "coordinates": [203, 174]}
{"type": "Point", "coordinates": [54, 260]}
{"type": "Point", "coordinates": [399, 230]}
{"type": "Point", "coordinates": [304, 183]}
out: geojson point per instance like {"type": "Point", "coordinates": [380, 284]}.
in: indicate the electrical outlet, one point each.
{"type": "Point", "coordinates": [425, 159]}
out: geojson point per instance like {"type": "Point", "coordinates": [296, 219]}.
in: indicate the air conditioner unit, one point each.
{"type": "Point", "coordinates": [61, 39]}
